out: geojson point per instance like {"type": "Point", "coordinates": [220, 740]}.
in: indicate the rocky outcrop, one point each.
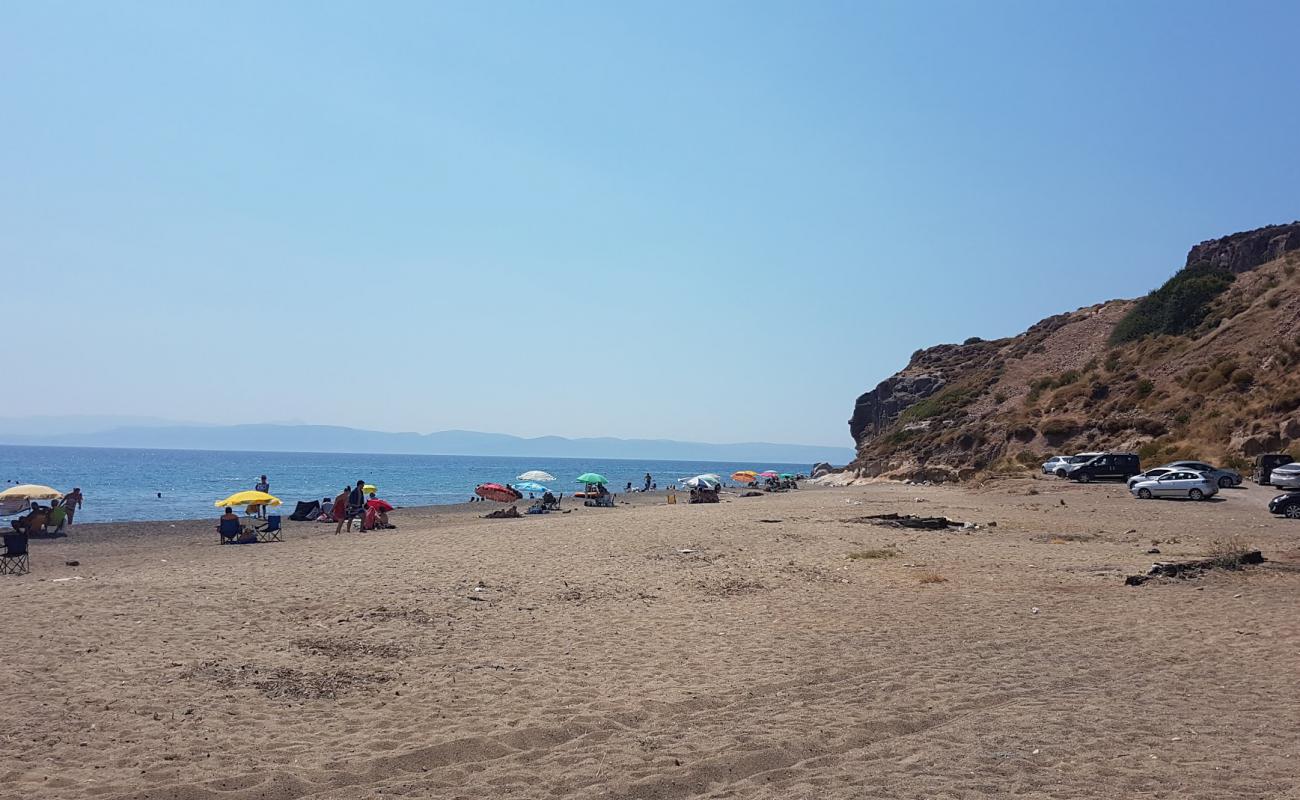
{"type": "Point", "coordinates": [1242, 252]}
{"type": "Point", "coordinates": [1227, 388]}
{"type": "Point", "coordinates": [878, 408]}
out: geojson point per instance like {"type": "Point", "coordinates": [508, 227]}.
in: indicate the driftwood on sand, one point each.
{"type": "Point", "coordinates": [1194, 569]}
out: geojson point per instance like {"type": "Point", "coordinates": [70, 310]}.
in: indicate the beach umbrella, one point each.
{"type": "Point", "coordinates": [787, 475]}
{"type": "Point", "coordinates": [769, 474]}
{"type": "Point", "coordinates": [497, 492]}
{"type": "Point", "coordinates": [529, 486]}
{"type": "Point", "coordinates": [248, 498]}
{"type": "Point", "coordinates": [29, 491]}
{"type": "Point", "coordinates": [369, 488]}
{"type": "Point", "coordinates": [379, 505]}
{"type": "Point", "coordinates": [703, 481]}
{"type": "Point", "coordinates": [744, 476]}
{"type": "Point", "coordinates": [536, 475]}
{"type": "Point", "coordinates": [592, 478]}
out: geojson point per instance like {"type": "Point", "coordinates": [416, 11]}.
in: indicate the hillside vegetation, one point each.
{"type": "Point", "coordinates": [1207, 365]}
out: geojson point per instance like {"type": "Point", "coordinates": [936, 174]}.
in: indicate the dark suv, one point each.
{"type": "Point", "coordinates": [1266, 463]}
{"type": "Point", "coordinates": [1106, 467]}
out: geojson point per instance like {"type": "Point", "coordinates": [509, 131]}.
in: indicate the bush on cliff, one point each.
{"type": "Point", "coordinates": [1176, 307]}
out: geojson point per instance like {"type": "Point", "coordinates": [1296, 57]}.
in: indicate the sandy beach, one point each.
{"type": "Point", "coordinates": [762, 647]}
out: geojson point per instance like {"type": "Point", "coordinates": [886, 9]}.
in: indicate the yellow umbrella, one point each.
{"type": "Point", "coordinates": [744, 476]}
{"type": "Point", "coordinates": [249, 498]}
{"type": "Point", "coordinates": [29, 491]}
{"type": "Point", "coordinates": [368, 488]}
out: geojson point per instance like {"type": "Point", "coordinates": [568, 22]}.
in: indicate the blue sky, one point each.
{"type": "Point", "coordinates": [714, 221]}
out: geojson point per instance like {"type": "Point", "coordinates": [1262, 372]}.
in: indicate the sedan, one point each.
{"type": "Point", "coordinates": [1225, 478]}
{"type": "Point", "coordinates": [1149, 475]}
{"type": "Point", "coordinates": [1192, 485]}
{"type": "Point", "coordinates": [1288, 505]}
{"type": "Point", "coordinates": [1286, 476]}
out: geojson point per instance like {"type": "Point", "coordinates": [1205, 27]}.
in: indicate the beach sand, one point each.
{"type": "Point", "coordinates": [649, 651]}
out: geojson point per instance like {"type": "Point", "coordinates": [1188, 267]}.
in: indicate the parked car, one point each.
{"type": "Point", "coordinates": [1266, 463]}
{"type": "Point", "coordinates": [1060, 465]}
{"type": "Point", "coordinates": [1105, 466]}
{"type": "Point", "coordinates": [1056, 465]}
{"type": "Point", "coordinates": [1223, 477]}
{"type": "Point", "coordinates": [1179, 483]}
{"type": "Point", "coordinates": [1286, 476]}
{"type": "Point", "coordinates": [1149, 475]}
{"type": "Point", "coordinates": [1288, 505]}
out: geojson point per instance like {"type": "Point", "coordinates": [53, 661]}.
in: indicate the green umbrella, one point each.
{"type": "Point", "coordinates": [591, 477]}
{"type": "Point", "coordinates": [787, 474]}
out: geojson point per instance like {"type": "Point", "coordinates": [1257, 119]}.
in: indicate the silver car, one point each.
{"type": "Point", "coordinates": [1060, 465]}
{"type": "Point", "coordinates": [1286, 476]}
{"type": "Point", "coordinates": [1056, 465]}
{"type": "Point", "coordinates": [1224, 478]}
{"type": "Point", "coordinates": [1149, 475]}
{"type": "Point", "coordinates": [1179, 483]}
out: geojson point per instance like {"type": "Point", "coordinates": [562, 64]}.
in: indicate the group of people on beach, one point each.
{"type": "Point", "coordinates": [351, 504]}
{"type": "Point", "coordinates": [57, 515]}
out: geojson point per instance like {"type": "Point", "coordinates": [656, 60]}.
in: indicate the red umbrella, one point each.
{"type": "Point", "coordinates": [379, 505]}
{"type": "Point", "coordinates": [497, 492]}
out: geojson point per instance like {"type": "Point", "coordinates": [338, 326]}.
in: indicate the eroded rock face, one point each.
{"type": "Point", "coordinates": [878, 408]}
{"type": "Point", "coordinates": [1242, 252]}
{"type": "Point", "coordinates": [822, 468]}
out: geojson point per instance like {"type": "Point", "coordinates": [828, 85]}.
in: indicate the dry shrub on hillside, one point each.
{"type": "Point", "coordinates": [931, 577]}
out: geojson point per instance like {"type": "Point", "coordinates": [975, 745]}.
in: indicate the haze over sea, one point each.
{"type": "Point", "coordinates": [124, 484]}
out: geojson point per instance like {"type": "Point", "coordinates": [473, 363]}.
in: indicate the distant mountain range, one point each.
{"type": "Point", "coordinates": [151, 433]}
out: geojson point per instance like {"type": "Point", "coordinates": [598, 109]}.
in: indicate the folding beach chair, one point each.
{"type": "Point", "coordinates": [229, 530]}
{"type": "Point", "coordinates": [270, 532]}
{"type": "Point", "coordinates": [14, 560]}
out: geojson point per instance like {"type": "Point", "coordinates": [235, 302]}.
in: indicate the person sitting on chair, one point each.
{"type": "Point", "coordinates": [244, 536]}
{"type": "Point", "coordinates": [549, 499]}
{"type": "Point", "coordinates": [33, 522]}
{"type": "Point", "coordinates": [57, 517]}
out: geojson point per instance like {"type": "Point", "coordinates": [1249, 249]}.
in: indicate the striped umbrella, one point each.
{"type": "Point", "coordinates": [497, 492]}
{"type": "Point", "coordinates": [744, 476]}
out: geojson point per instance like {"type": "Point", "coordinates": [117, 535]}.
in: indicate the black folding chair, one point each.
{"type": "Point", "coordinates": [14, 560]}
{"type": "Point", "coordinates": [270, 532]}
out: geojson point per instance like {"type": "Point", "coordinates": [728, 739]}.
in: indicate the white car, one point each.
{"type": "Point", "coordinates": [1192, 485]}
{"type": "Point", "coordinates": [1060, 465]}
{"type": "Point", "coordinates": [1149, 475]}
{"type": "Point", "coordinates": [1286, 476]}
{"type": "Point", "coordinates": [1056, 465]}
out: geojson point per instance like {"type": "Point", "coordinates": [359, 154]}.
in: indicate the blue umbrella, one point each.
{"type": "Point", "coordinates": [529, 486]}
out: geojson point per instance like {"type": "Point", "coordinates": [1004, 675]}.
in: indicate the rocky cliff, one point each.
{"type": "Point", "coordinates": [1206, 365]}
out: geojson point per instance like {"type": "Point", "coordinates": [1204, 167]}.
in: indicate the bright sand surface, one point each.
{"type": "Point", "coordinates": [648, 651]}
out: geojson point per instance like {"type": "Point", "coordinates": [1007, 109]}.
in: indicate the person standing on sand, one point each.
{"type": "Point", "coordinates": [341, 510]}
{"type": "Point", "coordinates": [262, 486]}
{"type": "Point", "coordinates": [72, 502]}
{"type": "Point", "coordinates": [647, 483]}
{"type": "Point", "coordinates": [355, 505]}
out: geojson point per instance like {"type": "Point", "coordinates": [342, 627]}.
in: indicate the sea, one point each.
{"type": "Point", "coordinates": [125, 484]}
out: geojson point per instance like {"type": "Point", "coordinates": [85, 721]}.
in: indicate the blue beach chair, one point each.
{"type": "Point", "coordinates": [229, 529]}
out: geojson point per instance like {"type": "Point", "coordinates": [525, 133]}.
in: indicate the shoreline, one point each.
{"type": "Point", "coordinates": [91, 532]}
